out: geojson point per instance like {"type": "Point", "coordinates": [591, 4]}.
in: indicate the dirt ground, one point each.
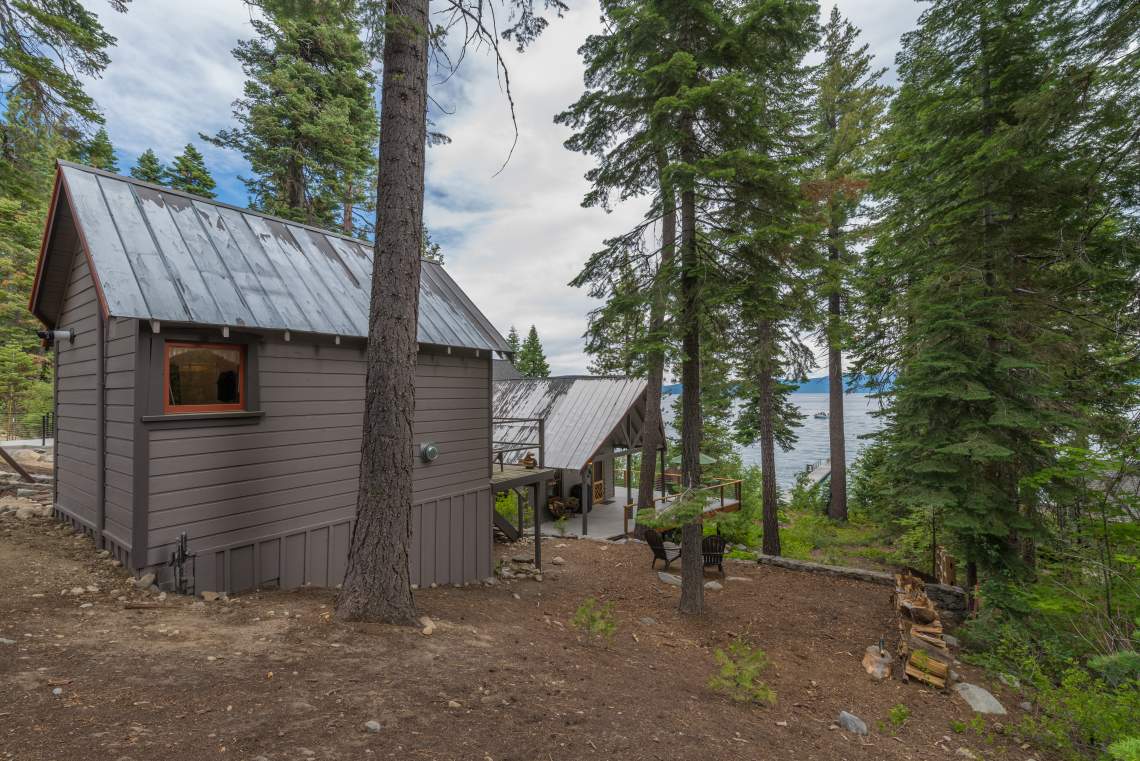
{"type": "Point", "coordinates": [503, 676]}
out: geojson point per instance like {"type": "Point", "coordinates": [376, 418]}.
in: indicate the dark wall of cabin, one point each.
{"type": "Point", "coordinates": [270, 499]}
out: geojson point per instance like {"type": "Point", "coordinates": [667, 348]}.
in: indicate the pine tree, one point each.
{"type": "Point", "coordinates": [46, 46]}
{"type": "Point", "coordinates": [188, 173]}
{"type": "Point", "coordinates": [530, 360]}
{"type": "Point", "coordinates": [513, 340]}
{"type": "Point", "coordinates": [307, 122]}
{"type": "Point", "coordinates": [848, 109]}
{"type": "Point", "coordinates": [99, 153]}
{"type": "Point", "coordinates": [1006, 237]}
{"type": "Point", "coordinates": [148, 168]}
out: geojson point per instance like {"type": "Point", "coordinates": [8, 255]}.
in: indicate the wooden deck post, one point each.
{"type": "Point", "coordinates": [628, 491]}
{"type": "Point", "coordinates": [540, 499]}
{"type": "Point", "coordinates": [587, 495]}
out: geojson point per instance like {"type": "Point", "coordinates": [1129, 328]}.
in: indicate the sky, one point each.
{"type": "Point", "coordinates": [512, 239]}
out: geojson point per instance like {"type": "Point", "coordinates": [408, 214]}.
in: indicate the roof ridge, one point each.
{"type": "Point", "coordinates": [215, 202]}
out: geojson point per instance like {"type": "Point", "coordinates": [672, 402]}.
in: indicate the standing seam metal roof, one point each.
{"type": "Point", "coordinates": [161, 254]}
{"type": "Point", "coordinates": [580, 414]}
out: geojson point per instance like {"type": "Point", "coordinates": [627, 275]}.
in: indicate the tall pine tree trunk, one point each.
{"type": "Point", "coordinates": [837, 506]}
{"type": "Point", "coordinates": [691, 423]}
{"type": "Point", "coordinates": [377, 586]}
{"type": "Point", "coordinates": [692, 570]}
{"type": "Point", "coordinates": [346, 211]}
{"type": "Point", "coordinates": [652, 434]}
{"type": "Point", "coordinates": [770, 498]}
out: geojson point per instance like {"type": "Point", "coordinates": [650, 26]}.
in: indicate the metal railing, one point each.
{"type": "Point", "coordinates": [501, 450]}
{"type": "Point", "coordinates": [20, 427]}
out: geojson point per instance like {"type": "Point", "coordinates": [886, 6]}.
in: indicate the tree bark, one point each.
{"type": "Point", "coordinates": [377, 586]}
{"type": "Point", "coordinates": [770, 499]}
{"type": "Point", "coordinates": [691, 423]}
{"type": "Point", "coordinates": [346, 212]}
{"type": "Point", "coordinates": [837, 506]}
{"type": "Point", "coordinates": [692, 570]}
{"type": "Point", "coordinates": [652, 437]}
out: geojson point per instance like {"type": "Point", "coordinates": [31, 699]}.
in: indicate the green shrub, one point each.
{"type": "Point", "coordinates": [595, 620]}
{"type": "Point", "coordinates": [898, 715]}
{"type": "Point", "coordinates": [1127, 749]}
{"type": "Point", "coordinates": [739, 672]}
{"type": "Point", "coordinates": [1118, 668]}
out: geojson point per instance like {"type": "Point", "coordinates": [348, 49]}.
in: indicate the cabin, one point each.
{"type": "Point", "coordinates": [591, 428]}
{"type": "Point", "coordinates": [210, 374]}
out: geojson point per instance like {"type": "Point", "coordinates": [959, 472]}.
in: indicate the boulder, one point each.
{"type": "Point", "coordinates": [715, 586]}
{"type": "Point", "coordinates": [852, 723]}
{"type": "Point", "coordinates": [979, 699]}
{"type": "Point", "coordinates": [145, 581]}
{"type": "Point", "coordinates": [372, 726]}
{"type": "Point", "coordinates": [669, 578]}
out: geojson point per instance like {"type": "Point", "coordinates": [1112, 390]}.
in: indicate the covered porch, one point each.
{"type": "Point", "coordinates": [615, 519]}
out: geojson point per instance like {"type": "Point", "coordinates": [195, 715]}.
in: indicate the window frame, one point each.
{"type": "Point", "coordinates": [179, 409]}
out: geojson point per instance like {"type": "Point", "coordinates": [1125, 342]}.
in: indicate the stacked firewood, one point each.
{"type": "Point", "coordinates": [921, 650]}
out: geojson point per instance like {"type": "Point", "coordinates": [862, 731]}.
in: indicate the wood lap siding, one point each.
{"type": "Point", "coordinates": [273, 502]}
{"type": "Point", "coordinates": [76, 403]}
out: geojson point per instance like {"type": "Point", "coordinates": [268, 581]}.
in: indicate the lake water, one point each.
{"type": "Point", "coordinates": [812, 440]}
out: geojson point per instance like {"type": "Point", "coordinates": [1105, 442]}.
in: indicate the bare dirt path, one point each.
{"type": "Point", "coordinates": [504, 675]}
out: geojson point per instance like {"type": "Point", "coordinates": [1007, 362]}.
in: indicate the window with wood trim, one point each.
{"type": "Point", "coordinates": [202, 377]}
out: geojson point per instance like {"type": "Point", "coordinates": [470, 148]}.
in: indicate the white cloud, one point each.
{"type": "Point", "coordinates": [512, 240]}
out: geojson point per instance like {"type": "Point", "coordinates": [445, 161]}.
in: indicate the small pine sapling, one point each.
{"type": "Point", "coordinates": [739, 673]}
{"type": "Point", "coordinates": [595, 620]}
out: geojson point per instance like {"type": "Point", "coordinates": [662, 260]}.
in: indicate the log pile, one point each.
{"type": "Point", "coordinates": [921, 649]}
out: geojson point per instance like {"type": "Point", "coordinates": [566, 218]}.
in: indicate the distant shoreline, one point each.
{"type": "Point", "coordinates": [810, 386]}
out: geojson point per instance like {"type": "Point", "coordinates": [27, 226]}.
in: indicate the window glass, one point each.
{"type": "Point", "coordinates": [203, 377]}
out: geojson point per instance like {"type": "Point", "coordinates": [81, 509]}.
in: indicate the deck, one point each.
{"type": "Point", "coordinates": [607, 519]}
{"type": "Point", "coordinates": [516, 476]}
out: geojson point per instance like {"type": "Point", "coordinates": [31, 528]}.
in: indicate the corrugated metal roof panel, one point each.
{"type": "Point", "coordinates": [165, 255]}
{"type": "Point", "coordinates": [580, 414]}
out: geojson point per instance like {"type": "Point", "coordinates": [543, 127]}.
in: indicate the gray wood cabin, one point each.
{"type": "Point", "coordinates": [590, 423]}
{"type": "Point", "coordinates": [210, 366]}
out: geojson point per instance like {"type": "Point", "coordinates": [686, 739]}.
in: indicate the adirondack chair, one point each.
{"type": "Point", "coordinates": [712, 549]}
{"type": "Point", "coordinates": [662, 550]}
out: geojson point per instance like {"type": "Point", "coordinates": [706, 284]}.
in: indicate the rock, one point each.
{"type": "Point", "coordinates": [877, 663]}
{"type": "Point", "coordinates": [524, 559]}
{"type": "Point", "coordinates": [115, 563]}
{"type": "Point", "coordinates": [669, 578]}
{"type": "Point", "coordinates": [965, 753]}
{"type": "Point", "coordinates": [144, 581]}
{"type": "Point", "coordinates": [1009, 680]}
{"type": "Point", "coordinates": [715, 586]}
{"type": "Point", "coordinates": [648, 621]}
{"type": "Point", "coordinates": [1025, 705]}
{"type": "Point", "coordinates": [852, 723]}
{"type": "Point", "coordinates": [301, 706]}
{"type": "Point", "coordinates": [738, 578]}
{"type": "Point", "coordinates": [558, 560]}
{"type": "Point", "coordinates": [24, 513]}
{"type": "Point", "coordinates": [427, 631]}
{"type": "Point", "coordinates": [372, 726]}
{"type": "Point", "coordinates": [979, 699]}
{"type": "Point", "coordinates": [57, 691]}
{"type": "Point", "coordinates": [104, 553]}
{"type": "Point", "coordinates": [490, 581]}
{"type": "Point", "coordinates": [210, 596]}
{"type": "Point", "coordinates": [77, 591]}
{"type": "Point", "coordinates": [453, 704]}
{"type": "Point", "coordinates": [6, 641]}
{"type": "Point", "coordinates": [515, 595]}
{"type": "Point", "coordinates": [951, 640]}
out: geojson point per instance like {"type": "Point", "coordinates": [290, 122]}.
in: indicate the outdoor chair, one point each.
{"type": "Point", "coordinates": [712, 548]}
{"type": "Point", "coordinates": [662, 550]}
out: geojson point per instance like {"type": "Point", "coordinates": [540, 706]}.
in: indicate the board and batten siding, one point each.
{"type": "Point", "coordinates": [271, 502]}
{"type": "Point", "coordinates": [76, 442]}
{"type": "Point", "coordinates": [118, 433]}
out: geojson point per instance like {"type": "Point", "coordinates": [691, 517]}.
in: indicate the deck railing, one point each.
{"type": "Point", "coordinates": [500, 450]}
